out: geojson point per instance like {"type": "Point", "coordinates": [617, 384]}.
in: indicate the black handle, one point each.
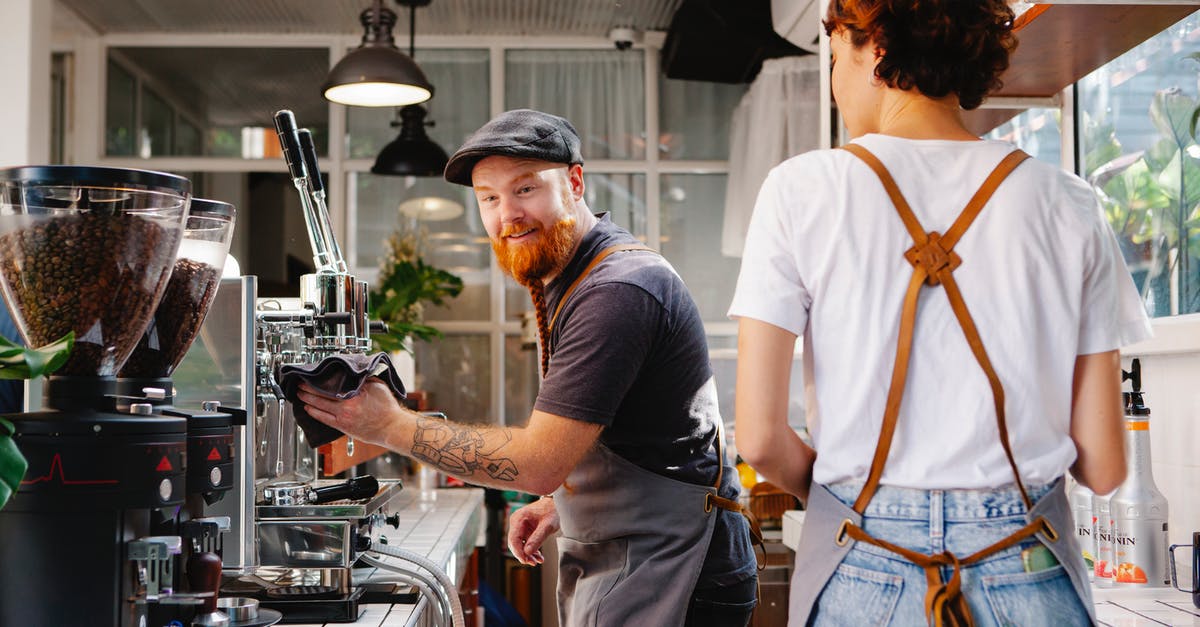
{"type": "Point", "coordinates": [336, 317]}
{"type": "Point", "coordinates": [377, 326]}
{"type": "Point", "coordinates": [204, 575]}
{"type": "Point", "coordinates": [357, 488]}
{"type": "Point", "coordinates": [309, 151]}
{"type": "Point", "coordinates": [289, 142]}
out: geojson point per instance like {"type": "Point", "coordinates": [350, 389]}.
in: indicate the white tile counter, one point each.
{"type": "Point", "coordinates": [1115, 607]}
{"type": "Point", "coordinates": [441, 525]}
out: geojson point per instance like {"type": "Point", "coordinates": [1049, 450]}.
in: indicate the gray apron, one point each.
{"type": "Point", "coordinates": [831, 527]}
{"type": "Point", "coordinates": [632, 543]}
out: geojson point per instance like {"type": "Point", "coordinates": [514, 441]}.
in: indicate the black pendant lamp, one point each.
{"type": "Point", "coordinates": [377, 74]}
{"type": "Point", "coordinates": [412, 153]}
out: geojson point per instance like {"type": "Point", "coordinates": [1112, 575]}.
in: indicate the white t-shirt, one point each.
{"type": "Point", "coordinates": [1042, 276]}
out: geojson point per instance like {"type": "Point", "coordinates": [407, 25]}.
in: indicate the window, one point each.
{"type": "Point", "coordinates": [1139, 151]}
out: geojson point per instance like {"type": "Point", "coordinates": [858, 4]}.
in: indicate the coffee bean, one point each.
{"type": "Point", "coordinates": [93, 273]}
{"type": "Point", "coordinates": [176, 322]}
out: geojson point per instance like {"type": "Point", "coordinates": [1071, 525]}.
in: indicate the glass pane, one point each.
{"type": "Point", "coordinates": [458, 107]}
{"type": "Point", "coordinates": [516, 299]}
{"type": "Point", "coordinates": [521, 381]}
{"type": "Point", "coordinates": [120, 122]}
{"type": "Point", "coordinates": [724, 363]}
{"type": "Point", "coordinates": [456, 244]}
{"type": "Point", "coordinates": [693, 209]}
{"type": "Point", "coordinates": [456, 371]}
{"type": "Point", "coordinates": [1140, 154]}
{"type": "Point", "coordinates": [187, 138]}
{"type": "Point", "coordinates": [157, 118]}
{"type": "Point", "coordinates": [601, 92]}
{"type": "Point", "coordinates": [694, 118]}
{"type": "Point", "coordinates": [1036, 131]}
{"type": "Point", "coordinates": [221, 91]}
{"type": "Point", "coordinates": [624, 195]}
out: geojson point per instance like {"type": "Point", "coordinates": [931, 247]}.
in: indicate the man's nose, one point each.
{"type": "Point", "coordinates": [511, 210]}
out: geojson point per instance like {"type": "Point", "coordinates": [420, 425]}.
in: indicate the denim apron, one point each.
{"type": "Point", "coordinates": [831, 527]}
{"type": "Point", "coordinates": [632, 541]}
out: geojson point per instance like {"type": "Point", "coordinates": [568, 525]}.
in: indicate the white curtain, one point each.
{"type": "Point", "coordinates": [602, 93]}
{"type": "Point", "coordinates": [778, 118]}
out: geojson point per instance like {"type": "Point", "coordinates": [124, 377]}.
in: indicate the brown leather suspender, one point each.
{"type": "Point", "coordinates": [934, 260]}
{"type": "Point", "coordinates": [601, 256]}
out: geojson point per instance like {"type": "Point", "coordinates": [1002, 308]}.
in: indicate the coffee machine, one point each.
{"type": "Point", "coordinates": [87, 250]}
{"type": "Point", "coordinates": [293, 536]}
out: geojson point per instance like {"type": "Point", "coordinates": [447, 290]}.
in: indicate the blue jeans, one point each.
{"type": "Point", "coordinates": [874, 586]}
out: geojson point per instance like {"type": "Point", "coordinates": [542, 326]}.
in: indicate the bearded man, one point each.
{"type": "Point", "coordinates": [625, 432]}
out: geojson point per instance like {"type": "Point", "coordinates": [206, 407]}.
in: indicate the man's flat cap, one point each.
{"type": "Point", "coordinates": [521, 133]}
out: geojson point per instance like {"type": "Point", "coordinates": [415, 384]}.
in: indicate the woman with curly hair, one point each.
{"type": "Point", "coordinates": [962, 308]}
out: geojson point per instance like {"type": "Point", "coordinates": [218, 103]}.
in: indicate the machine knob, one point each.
{"type": "Point", "coordinates": [210, 405]}
{"type": "Point", "coordinates": [362, 543]}
{"type": "Point", "coordinates": [393, 520]}
{"type": "Point", "coordinates": [141, 409]}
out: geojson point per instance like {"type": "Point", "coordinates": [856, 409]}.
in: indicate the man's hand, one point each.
{"type": "Point", "coordinates": [528, 527]}
{"type": "Point", "coordinates": [370, 416]}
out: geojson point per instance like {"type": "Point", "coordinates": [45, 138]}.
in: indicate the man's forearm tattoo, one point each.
{"type": "Point", "coordinates": [462, 449]}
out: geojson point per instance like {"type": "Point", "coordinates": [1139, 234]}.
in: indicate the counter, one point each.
{"type": "Point", "coordinates": [1116, 607]}
{"type": "Point", "coordinates": [442, 525]}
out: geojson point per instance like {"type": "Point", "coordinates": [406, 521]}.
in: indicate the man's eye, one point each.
{"type": "Point", "coordinates": [526, 189]}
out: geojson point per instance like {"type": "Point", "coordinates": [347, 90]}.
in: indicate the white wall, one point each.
{"type": "Point", "coordinates": [25, 107]}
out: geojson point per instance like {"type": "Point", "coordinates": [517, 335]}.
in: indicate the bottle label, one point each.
{"type": "Point", "coordinates": [1140, 553]}
{"type": "Point", "coordinates": [1137, 425]}
{"type": "Point", "coordinates": [1085, 533]}
{"type": "Point", "coordinates": [1104, 550]}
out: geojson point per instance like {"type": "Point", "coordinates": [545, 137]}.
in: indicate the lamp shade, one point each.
{"type": "Point", "coordinates": [412, 153]}
{"type": "Point", "coordinates": [431, 208]}
{"type": "Point", "coordinates": [377, 74]}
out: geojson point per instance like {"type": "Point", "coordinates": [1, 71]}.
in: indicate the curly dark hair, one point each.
{"type": "Point", "coordinates": [940, 47]}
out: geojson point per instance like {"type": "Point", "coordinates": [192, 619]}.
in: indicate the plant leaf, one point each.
{"type": "Point", "coordinates": [17, 362]}
{"type": "Point", "coordinates": [12, 463]}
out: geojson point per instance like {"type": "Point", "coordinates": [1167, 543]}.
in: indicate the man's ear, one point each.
{"type": "Point", "coordinates": [575, 180]}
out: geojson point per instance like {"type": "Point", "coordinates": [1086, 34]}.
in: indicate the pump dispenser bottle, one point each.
{"type": "Point", "coordinates": [1139, 510]}
{"type": "Point", "coordinates": [1085, 525]}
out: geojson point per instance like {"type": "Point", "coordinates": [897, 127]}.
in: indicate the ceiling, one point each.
{"type": "Point", "coordinates": [569, 18]}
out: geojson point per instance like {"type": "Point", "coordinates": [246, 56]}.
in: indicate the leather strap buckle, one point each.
{"type": "Point", "coordinates": [843, 533]}
{"type": "Point", "coordinates": [932, 257]}
{"type": "Point", "coordinates": [1050, 532]}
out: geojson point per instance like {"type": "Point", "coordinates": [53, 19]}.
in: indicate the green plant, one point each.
{"type": "Point", "coordinates": [406, 284]}
{"type": "Point", "coordinates": [18, 362]}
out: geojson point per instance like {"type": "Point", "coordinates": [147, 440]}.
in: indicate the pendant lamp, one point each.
{"type": "Point", "coordinates": [377, 74]}
{"type": "Point", "coordinates": [412, 153]}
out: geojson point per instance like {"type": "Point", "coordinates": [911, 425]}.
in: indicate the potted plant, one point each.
{"type": "Point", "coordinates": [406, 284]}
{"type": "Point", "coordinates": [18, 362]}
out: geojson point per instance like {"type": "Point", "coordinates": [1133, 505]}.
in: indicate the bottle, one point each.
{"type": "Point", "coordinates": [1139, 510]}
{"type": "Point", "coordinates": [1085, 525]}
{"type": "Point", "coordinates": [1103, 572]}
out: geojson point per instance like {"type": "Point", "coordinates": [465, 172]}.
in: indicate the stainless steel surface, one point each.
{"type": "Point", "coordinates": [307, 543]}
{"type": "Point", "coordinates": [238, 608]}
{"type": "Point", "coordinates": [332, 294]}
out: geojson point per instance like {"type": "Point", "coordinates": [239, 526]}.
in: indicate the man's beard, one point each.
{"type": "Point", "coordinates": [533, 261]}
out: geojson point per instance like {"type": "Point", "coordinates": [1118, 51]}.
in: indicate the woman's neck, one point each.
{"type": "Point", "coordinates": [903, 114]}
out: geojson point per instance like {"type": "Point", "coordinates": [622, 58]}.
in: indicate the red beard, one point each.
{"type": "Point", "coordinates": [531, 261]}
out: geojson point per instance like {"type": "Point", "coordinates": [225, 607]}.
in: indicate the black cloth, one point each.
{"type": "Point", "coordinates": [628, 351]}
{"type": "Point", "coordinates": [340, 376]}
{"type": "Point", "coordinates": [521, 133]}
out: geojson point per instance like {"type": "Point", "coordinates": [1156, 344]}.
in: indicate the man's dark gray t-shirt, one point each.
{"type": "Point", "coordinates": [628, 351]}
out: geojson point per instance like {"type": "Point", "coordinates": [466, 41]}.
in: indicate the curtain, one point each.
{"type": "Point", "coordinates": [778, 118]}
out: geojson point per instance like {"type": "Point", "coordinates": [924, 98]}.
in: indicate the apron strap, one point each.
{"type": "Point", "coordinates": [712, 500]}
{"type": "Point", "coordinates": [588, 270]}
{"type": "Point", "coordinates": [934, 260]}
{"type": "Point", "coordinates": [944, 603]}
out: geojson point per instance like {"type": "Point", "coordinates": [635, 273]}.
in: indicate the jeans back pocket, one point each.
{"type": "Point", "coordinates": [857, 596]}
{"type": "Point", "coordinates": [1045, 597]}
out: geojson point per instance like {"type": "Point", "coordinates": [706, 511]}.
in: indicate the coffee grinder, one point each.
{"type": "Point", "coordinates": [88, 250]}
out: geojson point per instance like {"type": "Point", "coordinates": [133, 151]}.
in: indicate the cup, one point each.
{"type": "Point", "coordinates": [1195, 590]}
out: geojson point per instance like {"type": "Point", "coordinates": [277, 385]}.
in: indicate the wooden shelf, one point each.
{"type": "Point", "coordinates": [1062, 43]}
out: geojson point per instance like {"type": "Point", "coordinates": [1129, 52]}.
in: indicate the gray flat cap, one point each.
{"type": "Point", "coordinates": [522, 133]}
